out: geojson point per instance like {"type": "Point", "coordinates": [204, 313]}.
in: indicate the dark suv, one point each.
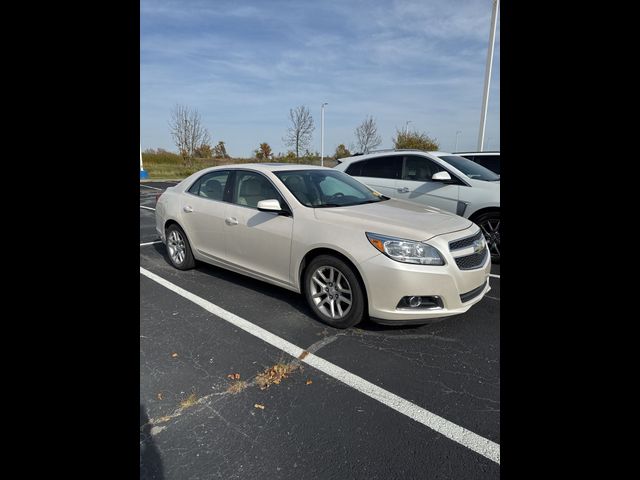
{"type": "Point", "coordinates": [490, 160]}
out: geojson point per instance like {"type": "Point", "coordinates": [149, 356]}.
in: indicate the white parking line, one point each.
{"type": "Point", "coordinates": [149, 186]}
{"type": "Point", "coordinates": [467, 438]}
{"type": "Point", "coordinates": [150, 243]}
{"type": "Point", "coordinates": [494, 276]}
{"type": "Point", "coordinates": [147, 208]}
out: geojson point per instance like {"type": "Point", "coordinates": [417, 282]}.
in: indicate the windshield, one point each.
{"type": "Point", "coordinates": [327, 188]}
{"type": "Point", "coordinates": [471, 169]}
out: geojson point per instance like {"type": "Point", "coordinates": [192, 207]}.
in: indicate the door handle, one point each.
{"type": "Point", "coordinates": [187, 208]}
{"type": "Point", "coordinates": [403, 190]}
{"type": "Point", "coordinates": [231, 221]}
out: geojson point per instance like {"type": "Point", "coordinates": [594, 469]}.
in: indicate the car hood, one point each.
{"type": "Point", "coordinates": [396, 218]}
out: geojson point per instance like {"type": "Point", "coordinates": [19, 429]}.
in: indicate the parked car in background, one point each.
{"type": "Point", "coordinates": [436, 179]}
{"type": "Point", "coordinates": [350, 251]}
{"type": "Point", "coordinates": [490, 160]}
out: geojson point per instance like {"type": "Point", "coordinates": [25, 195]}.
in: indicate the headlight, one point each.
{"type": "Point", "coordinates": [406, 251]}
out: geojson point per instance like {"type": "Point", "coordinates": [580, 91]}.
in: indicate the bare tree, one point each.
{"type": "Point", "coordinates": [187, 131]}
{"type": "Point", "coordinates": [300, 132]}
{"type": "Point", "coordinates": [367, 137]}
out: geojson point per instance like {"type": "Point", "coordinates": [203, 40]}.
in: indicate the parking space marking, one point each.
{"type": "Point", "coordinates": [458, 434]}
{"type": "Point", "coordinates": [147, 208]}
{"type": "Point", "coordinates": [494, 276]}
{"type": "Point", "coordinates": [492, 298]}
{"type": "Point", "coordinates": [149, 186]}
{"type": "Point", "coordinates": [150, 243]}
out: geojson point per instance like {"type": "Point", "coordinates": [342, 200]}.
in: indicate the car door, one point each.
{"type": "Point", "coordinates": [259, 242]}
{"type": "Point", "coordinates": [203, 213]}
{"type": "Point", "coordinates": [417, 186]}
{"type": "Point", "coordinates": [380, 173]}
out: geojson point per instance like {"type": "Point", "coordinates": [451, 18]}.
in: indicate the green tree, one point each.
{"type": "Point", "coordinates": [204, 151]}
{"type": "Point", "coordinates": [341, 152]}
{"type": "Point", "coordinates": [219, 151]}
{"type": "Point", "coordinates": [264, 152]}
{"type": "Point", "coordinates": [415, 139]}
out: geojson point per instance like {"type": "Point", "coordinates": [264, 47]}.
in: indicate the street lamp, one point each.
{"type": "Point", "coordinates": [487, 74]}
{"type": "Point", "coordinates": [406, 127]}
{"type": "Point", "coordinates": [455, 149]}
{"type": "Point", "coordinates": [322, 134]}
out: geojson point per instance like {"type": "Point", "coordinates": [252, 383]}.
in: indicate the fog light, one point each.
{"type": "Point", "coordinates": [420, 302]}
{"type": "Point", "coordinates": [415, 301]}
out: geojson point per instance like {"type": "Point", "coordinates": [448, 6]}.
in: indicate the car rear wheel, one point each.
{"type": "Point", "coordinates": [489, 223]}
{"type": "Point", "coordinates": [179, 249]}
{"type": "Point", "coordinates": [334, 292]}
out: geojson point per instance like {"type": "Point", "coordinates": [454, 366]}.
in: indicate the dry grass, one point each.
{"type": "Point", "coordinates": [190, 401]}
{"type": "Point", "coordinates": [275, 374]}
{"type": "Point", "coordinates": [237, 386]}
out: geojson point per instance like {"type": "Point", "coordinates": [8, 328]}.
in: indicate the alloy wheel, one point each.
{"type": "Point", "coordinates": [331, 292]}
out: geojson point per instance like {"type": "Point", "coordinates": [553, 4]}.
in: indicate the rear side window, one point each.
{"type": "Point", "coordinates": [211, 185]}
{"type": "Point", "coordinates": [381, 167]}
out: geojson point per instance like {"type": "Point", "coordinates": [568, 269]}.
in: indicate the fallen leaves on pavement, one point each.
{"type": "Point", "coordinates": [259, 405]}
{"type": "Point", "coordinates": [275, 374]}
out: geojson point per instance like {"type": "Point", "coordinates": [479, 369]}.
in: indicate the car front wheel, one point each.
{"type": "Point", "coordinates": [334, 292]}
{"type": "Point", "coordinates": [489, 223]}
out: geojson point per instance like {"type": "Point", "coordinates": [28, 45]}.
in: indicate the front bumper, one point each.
{"type": "Point", "coordinates": [388, 281]}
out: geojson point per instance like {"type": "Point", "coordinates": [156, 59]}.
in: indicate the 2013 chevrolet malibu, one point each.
{"type": "Point", "coordinates": [351, 251]}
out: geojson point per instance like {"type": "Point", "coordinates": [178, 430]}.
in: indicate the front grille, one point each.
{"type": "Point", "coordinates": [465, 242]}
{"type": "Point", "coordinates": [465, 297]}
{"type": "Point", "coordinates": [475, 260]}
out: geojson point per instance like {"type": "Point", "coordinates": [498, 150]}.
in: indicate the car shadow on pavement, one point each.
{"type": "Point", "coordinates": [293, 299]}
{"type": "Point", "coordinates": [150, 460]}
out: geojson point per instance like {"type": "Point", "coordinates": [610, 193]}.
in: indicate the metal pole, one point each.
{"type": "Point", "coordinates": [455, 149]}
{"type": "Point", "coordinates": [406, 127]}
{"type": "Point", "coordinates": [322, 135]}
{"type": "Point", "coordinates": [487, 75]}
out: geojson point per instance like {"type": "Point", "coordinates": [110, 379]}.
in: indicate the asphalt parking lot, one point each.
{"type": "Point", "coordinates": [439, 417]}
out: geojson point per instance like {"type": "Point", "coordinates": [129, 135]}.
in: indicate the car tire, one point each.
{"type": "Point", "coordinates": [489, 223]}
{"type": "Point", "coordinates": [334, 292]}
{"type": "Point", "coordinates": [178, 248]}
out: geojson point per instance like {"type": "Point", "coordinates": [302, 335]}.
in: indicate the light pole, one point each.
{"type": "Point", "coordinates": [455, 149]}
{"type": "Point", "coordinates": [487, 74]}
{"type": "Point", "coordinates": [322, 134]}
{"type": "Point", "coordinates": [406, 127]}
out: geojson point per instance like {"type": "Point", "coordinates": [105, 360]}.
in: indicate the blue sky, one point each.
{"type": "Point", "coordinates": [244, 64]}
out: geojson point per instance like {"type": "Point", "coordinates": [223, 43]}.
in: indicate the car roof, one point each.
{"type": "Point", "coordinates": [267, 167]}
{"type": "Point", "coordinates": [478, 153]}
{"type": "Point", "coordinates": [382, 153]}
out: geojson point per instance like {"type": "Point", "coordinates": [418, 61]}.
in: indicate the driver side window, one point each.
{"type": "Point", "coordinates": [251, 187]}
{"type": "Point", "coordinates": [420, 169]}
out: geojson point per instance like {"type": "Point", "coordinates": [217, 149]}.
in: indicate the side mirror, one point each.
{"type": "Point", "coordinates": [269, 206]}
{"type": "Point", "coordinates": [441, 177]}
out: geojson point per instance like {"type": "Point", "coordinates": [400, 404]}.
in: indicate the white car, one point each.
{"type": "Point", "coordinates": [436, 179]}
{"type": "Point", "coordinates": [350, 251]}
